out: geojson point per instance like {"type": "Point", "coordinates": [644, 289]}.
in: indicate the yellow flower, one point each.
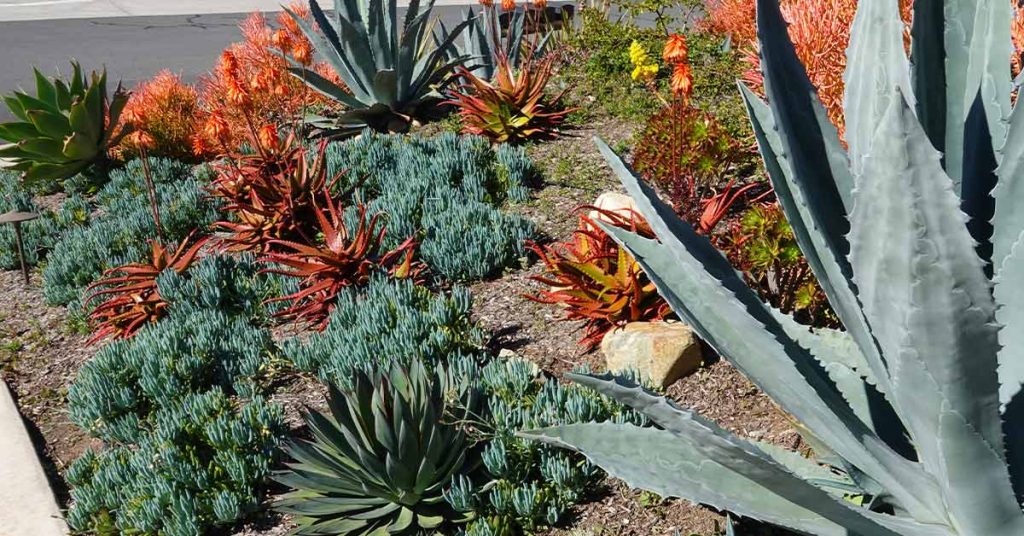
{"type": "Point", "coordinates": [638, 54]}
{"type": "Point", "coordinates": [645, 73]}
{"type": "Point", "coordinates": [644, 68]}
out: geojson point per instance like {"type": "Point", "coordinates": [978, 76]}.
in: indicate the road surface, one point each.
{"type": "Point", "coordinates": [134, 39]}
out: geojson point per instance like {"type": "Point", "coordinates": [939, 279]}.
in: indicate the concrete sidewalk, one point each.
{"type": "Point", "coordinates": [27, 504]}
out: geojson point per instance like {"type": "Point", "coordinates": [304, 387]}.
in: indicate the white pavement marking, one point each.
{"type": "Point", "coordinates": [24, 10]}
{"type": "Point", "coordinates": [27, 505]}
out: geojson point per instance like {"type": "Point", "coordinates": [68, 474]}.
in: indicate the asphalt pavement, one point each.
{"type": "Point", "coordinates": [133, 48]}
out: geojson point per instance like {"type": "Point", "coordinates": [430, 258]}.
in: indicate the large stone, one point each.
{"type": "Point", "coordinates": [613, 202]}
{"type": "Point", "coordinates": [661, 352]}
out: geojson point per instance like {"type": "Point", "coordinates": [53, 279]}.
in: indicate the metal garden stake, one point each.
{"type": "Point", "coordinates": [16, 218]}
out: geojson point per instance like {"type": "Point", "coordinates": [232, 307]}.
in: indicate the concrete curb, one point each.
{"type": "Point", "coordinates": [27, 503]}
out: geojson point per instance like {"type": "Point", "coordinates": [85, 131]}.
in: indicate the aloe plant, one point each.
{"type": "Point", "coordinates": [390, 74]}
{"type": "Point", "coordinates": [914, 411]}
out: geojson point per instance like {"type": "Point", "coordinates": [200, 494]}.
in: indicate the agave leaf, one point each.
{"type": "Point", "coordinates": [324, 86]}
{"type": "Point", "coordinates": [77, 147]}
{"type": "Point", "coordinates": [16, 131]}
{"type": "Point", "coordinates": [849, 370]}
{"type": "Point", "coordinates": [989, 67]}
{"type": "Point", "coordinates": [807, 137]}
{"type": "Point", "coordinates": [928, 68]}
{"type": "Point", "coordinates": [384, 87]}
{"type": "Point", "coordinates": [93, 102]}
{"type": "Point", "coordinates": [16, 107]}
{"type": "Point", "coordinates": [978, 179]}
{"type": "Point", "coordinates": [826, 258]}
{"type": "Point", "coordinates": [357, 48]}
{"type": "Point", "coordinates": [84, 123]}
{"type": "Point", "coordinates": [45, 172]}
{"type": "Point", "coordinates": [77, 80]}
{"type": "Point", "coordinates": [712, 298]}
{"type": "Point", "coordinates": [940, 334]}
{"type": "Point", "coordinates": [330, 48]}
{"type": "Point", "coordinates": [809, 470]}
{"type": "Point", "coordinates": [63, 94]}
{"type": "Point", "coordinates": [44, 149]}
{"type": "Point", "coordinates": [380, 24]}
{"type": "Point", "coordinates": [1009, 294]}
{"type": "Point", "coordinates": [714, 469]}
{"type": "Point", "coordinates": [876, 66]}
{"type": "Point", "coordinates": [1008, 216]}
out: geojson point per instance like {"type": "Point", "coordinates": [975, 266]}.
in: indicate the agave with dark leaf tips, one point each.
{"type": "Point", "coordinates": [380, 462]}
{"type": "Point", "coordinates": [914, 229]}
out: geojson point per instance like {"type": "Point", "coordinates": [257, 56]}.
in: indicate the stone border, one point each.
{"type": "Point", "coordinates": [27, 503]}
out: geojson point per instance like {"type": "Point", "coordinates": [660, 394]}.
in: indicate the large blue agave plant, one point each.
{"type": "Point", "coordinates": [915, 234]}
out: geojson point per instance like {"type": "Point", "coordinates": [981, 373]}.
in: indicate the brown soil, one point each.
{"type": "Point", "coordinates": [39, 357]}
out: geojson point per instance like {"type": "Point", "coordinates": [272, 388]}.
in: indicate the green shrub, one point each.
{"type": "Point", "coordinates": [385, 322]}
{"type": "Point", "coordinates": [121, 232]}
{"type": "Point", "coordinates": [604, 70]}
{"type": "Point", "coordinates": [201, 466]}
{"type": "Point", "coordinates": [189, 436]}
{"type": "Point", "coordinates": [40, 235]}
{"type": "Point", "coordinates": [232, 284]}
{"type": "Point", "coordinates": [431, 188]}
{"type": "Point", "coordinates": [468, 240]}
{"type": "Point", "coordinates": [526, 485]}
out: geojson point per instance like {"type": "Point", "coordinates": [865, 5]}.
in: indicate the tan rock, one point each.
{"type": "Point", "coordinates": [661, 352]}
{"type": "Point", "coordinates": [612, 202]}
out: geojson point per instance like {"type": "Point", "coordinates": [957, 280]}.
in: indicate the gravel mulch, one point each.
{"type": "Point", "coordinates": [40, 355]}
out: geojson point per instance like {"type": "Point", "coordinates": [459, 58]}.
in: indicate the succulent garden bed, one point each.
{"type": "Point", "coordinates": [362, 278]}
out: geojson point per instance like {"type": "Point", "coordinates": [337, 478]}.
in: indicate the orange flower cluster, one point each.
{"type": "Point", "coordinates": [1017, 35]}
{"type": "Point", "coordinates": [249, 88]}
{"type": "Point", "coordinates": [820, 30]}
{"type": "Point", "coordinates": [731, 17]}
{"type": "Point", "coordinates": [677, 54]}
{"type": "Point", "coordinates": [163, 111]}
{"type": "Point", "coordinates": [251, 85]}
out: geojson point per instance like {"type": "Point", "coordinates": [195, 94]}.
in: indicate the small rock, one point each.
{"type": "Point", "coordinates": [662, 352]}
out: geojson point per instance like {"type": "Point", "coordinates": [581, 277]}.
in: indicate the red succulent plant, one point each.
{"type": "Point", "coordinates": [342, 259]}
{"type": "Point", "coordinates": [272, 194]}
{"type": "Point", "coordinates": [129, 293]}
{"type": "Point", "coordinates": [596, 280]}
{"type": "Point", "coordinates": [513, 108]}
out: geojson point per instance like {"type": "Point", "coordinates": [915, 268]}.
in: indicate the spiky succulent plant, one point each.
{"type": "Point", "coordinates": [64, 128]}
{"type": "Point", "coordinates": [914, 232]}
{"type": "Point", "coordinates": [484, 42]}
{"type": "Point", "coordinates": [513, 107]}
{"type": "Point", "coordinates": [391, 75]}
{"type": "Point", "coordinates": [380, 462]}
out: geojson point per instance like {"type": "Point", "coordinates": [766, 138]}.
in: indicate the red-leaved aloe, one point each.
{"type": "Point", "coordinates": [341, 260]}
{"type": "Point", "coordinates": [129, 292]}
{"type": "Point", "coordinates": [272, 194]}
{"type": "Point", "coordinates": [596, 280]}
{"type": "Point", "coordinates": [514, 107]}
